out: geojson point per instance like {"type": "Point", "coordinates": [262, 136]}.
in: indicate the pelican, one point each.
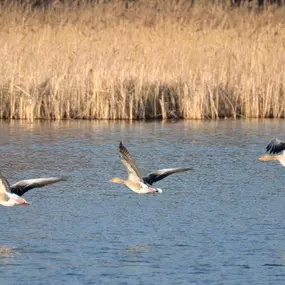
{"type": "Point", "coordinates": [135, 181]}
{"type": "Point", "coordinates": [274, 147]}
{"type": "Point", "coordinates": [11, 195]}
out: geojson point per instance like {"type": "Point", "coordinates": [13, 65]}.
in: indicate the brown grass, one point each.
{"type": "Point", "coordinates": [153, 60]}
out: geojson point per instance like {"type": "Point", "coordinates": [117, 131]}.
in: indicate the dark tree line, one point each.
{"type": "Point", "coordinates": [259, 2]}
{"type": "Point", "coordinates": [46, 3]}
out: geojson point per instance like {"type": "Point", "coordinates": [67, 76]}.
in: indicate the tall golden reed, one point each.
{"type": "Point", "coordinates": [160, 59]}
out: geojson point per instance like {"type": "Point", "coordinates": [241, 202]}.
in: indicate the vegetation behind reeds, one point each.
{"type": "Point", "coordinates": [153, 60]}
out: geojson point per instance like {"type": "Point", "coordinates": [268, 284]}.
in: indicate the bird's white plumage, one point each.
{"type": "Point", "coordinates": [132, 175]}
{"type": "Point", "coordinates": [2, 187]}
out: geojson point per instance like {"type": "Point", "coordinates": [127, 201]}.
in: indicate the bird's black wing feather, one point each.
{"type": "Point", "coordinates": [23, 186]}
{"type": "Point", "coordinates": [275, 146]}
{"type": "Point", "coordinates": [160, 174]}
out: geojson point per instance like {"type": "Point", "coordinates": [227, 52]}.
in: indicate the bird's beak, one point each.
{"type": "Point", "coordinates": [25, 204]}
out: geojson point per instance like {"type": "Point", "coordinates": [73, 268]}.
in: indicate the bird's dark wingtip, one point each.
{"type": "Point", "coordinates": [123, 149]}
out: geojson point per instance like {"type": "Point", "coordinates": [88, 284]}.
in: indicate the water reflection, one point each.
{"type": "Point", "coordinates": [138, 248]}
{"type": "Point", "coordinates": [8, 251]}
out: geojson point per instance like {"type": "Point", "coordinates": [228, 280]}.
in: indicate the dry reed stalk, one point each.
{"type": "Point", "coordinates": [157, 59]}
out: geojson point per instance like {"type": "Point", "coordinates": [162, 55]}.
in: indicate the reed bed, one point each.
{"type": "Point", "coordinates": [160, 59]}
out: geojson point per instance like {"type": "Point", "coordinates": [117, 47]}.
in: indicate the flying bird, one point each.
{"type": "Point", "coordinates": [274, 147]}
{"type": "Point", "coordinates": [11, 195]}
{"type": "Point", "coordinates": [135, 181]}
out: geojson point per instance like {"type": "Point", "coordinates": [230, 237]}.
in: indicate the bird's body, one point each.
{"type": "Point", "coordinates": [137, 183]}
{"type": "Point", "coordinates": [138, 187]}
{"type": "Point", "coordinates": [11, 195]}
{"type": "Point", "coordinates": [274, 147]}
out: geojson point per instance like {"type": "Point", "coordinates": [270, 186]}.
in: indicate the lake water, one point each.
{"type": "Point", "coordinates": [222, 223]}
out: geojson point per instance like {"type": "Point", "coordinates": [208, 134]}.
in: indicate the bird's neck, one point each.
{"type": "Point", "coordinates": [118, 180]}
{"type": "Point", "coordinates": [266, 157]}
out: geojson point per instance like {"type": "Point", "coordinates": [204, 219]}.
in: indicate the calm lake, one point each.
{"type": "Point", "coordinates": [222, 223]}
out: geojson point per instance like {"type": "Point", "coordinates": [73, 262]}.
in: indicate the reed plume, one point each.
{"type": "Point", "coordinates": [157, 59]}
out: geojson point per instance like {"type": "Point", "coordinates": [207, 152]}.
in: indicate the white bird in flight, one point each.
{"type": "Point", "coordinates": [135, 181]}
{"type": "Point", "coordinates": [274, 147]}
{"type": "Point", "coordinates": [11, 195]}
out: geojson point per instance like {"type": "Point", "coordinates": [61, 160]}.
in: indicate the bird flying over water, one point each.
{"type": "Point", "coordinates": [135, 181]}
{"type": "Point", "coordinates": [274, 147]}
{"type": "Point", "coordinates": [11, 195]}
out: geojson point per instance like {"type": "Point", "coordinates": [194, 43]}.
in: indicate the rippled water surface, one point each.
{"type": "Point", "coordinates": [222, 223]}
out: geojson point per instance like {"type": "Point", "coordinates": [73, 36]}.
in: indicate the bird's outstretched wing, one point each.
{"type": "Point", "coordinates": [4, 188]}
{"type": "Point", "coordinates": [130, 163]}
{"type": "Point", "coordinates": [275, 146]}
{"type": "Point", "coordinates": [162, 173]}
{"type": "Point", "coordinates": [21, 187]}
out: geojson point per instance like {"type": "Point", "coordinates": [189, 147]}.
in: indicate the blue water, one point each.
{"type": "Point", "coordinates": [222, 223]}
